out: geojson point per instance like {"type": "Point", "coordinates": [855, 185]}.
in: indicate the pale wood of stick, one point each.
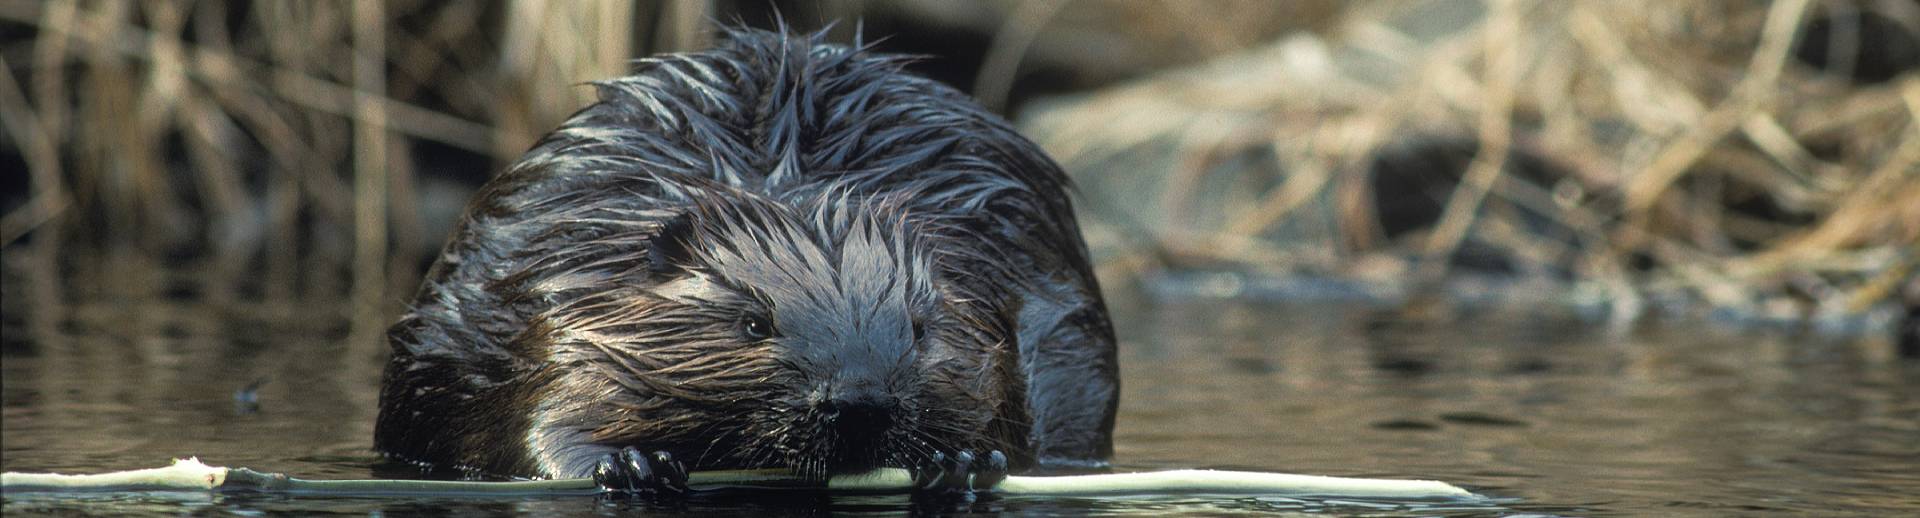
{"type": "Point", "coordinates": [192, 475]}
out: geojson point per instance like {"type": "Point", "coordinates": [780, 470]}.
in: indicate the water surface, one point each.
{"type": "Point", "coordinates": [122, 366]}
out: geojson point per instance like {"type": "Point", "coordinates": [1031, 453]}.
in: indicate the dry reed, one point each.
{"type": "Point", "coordinates": [283, 140]}
{"type": "Point", "coordinates": [1687, 156]}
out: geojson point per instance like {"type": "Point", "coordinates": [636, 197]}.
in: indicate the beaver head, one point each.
{"type": "Point", "coordinates": [828, 335]}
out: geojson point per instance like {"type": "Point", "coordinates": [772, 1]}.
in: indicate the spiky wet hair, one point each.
{"type": "Point", "coordinates": [774, 173]}
{"type": "Point", "coordinates": [843, 285]}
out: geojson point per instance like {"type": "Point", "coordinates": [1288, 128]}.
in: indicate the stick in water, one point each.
{"type": "Point", "coordinates": [191, 474]}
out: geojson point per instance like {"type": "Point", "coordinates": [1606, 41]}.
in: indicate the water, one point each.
{"type": "Point", "coordinates": [122, 366]}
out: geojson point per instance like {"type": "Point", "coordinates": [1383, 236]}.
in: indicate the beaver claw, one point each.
{"type": "Point", "coordinates": [961, 472]}
{"type": "Point", "coordinates": [630, 472]}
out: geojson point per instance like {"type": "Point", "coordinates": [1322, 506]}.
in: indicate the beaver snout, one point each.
{"type": "Point", "coordinates": [860, 413]}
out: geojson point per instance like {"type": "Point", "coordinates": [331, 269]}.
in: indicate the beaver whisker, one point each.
{"type": "Point", "coordinates": [717, 438]}
{"type": "Point", "coordinates": [931, 442]}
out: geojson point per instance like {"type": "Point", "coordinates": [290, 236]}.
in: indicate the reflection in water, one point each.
{"type": "Point", "coordinates": [121, 365]}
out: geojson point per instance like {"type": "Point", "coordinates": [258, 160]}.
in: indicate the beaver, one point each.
{"type": "Point", "coordinates": [780, 252]}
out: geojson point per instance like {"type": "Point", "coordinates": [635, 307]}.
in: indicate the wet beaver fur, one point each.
{"type": "Point", "coordinates": [775, 253]}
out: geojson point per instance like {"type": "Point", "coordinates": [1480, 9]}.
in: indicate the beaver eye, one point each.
{"type": "Point", "coordinates": [755, 327]}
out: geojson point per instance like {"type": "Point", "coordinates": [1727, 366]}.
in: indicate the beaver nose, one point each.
{"type": "Point", "coordinates": [860, 412]}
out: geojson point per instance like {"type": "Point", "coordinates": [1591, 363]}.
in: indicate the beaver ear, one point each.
{"type": "Point", "coordinates": [667, 246]}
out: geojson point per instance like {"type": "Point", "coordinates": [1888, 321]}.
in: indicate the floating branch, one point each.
{"type": "Point", "coordinates": [192, 475]}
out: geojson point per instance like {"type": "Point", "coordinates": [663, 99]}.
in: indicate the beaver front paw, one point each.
{"type": "Point", "coordinates": [629, 472]}
{"type": "Point", "coordinates": [960, 473]}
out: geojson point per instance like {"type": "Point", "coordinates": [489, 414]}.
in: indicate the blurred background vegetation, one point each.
{"type": "Point", "coordinates": [1746, 160]}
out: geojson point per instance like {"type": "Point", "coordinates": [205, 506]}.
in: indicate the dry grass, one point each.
{"type": "Point", "coordinates": [278, 138]}
{"type": "Point", "coordinates": [1665, 124]}
{"type": "Point", "coordinates": [287, 140]}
